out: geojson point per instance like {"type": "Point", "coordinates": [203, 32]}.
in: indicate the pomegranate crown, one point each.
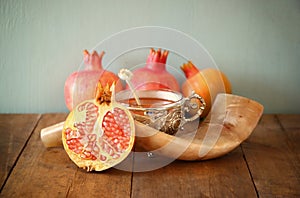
{"type": "Point", "coordinates": [157, 56]}
{"type": "Point", "coordinates": [104, 94]}
{"type": "Point", "coordinates": [93, 61]}
{"type": "Point", "coordinates": [189, 69]}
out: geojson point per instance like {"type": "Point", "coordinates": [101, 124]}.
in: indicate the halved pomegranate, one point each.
{"type": "Point", "coordinates": [99, 133]}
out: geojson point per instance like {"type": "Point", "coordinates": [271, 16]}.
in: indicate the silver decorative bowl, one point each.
{"type": "Point", "coordinates": [164, 110]}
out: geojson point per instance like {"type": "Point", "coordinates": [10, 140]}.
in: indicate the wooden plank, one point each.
{"type": "Point", "coordinates": [273, 165]}
{"type": "Point", "coordinates": [227, 176]}
{"type": "Point", "coordinates": [48, 172]}
{"type": "Point", "coordinates": [291, 127]}
{"type": "Point", "coordinates": [291, 121]}
{"type": "Point", "coordinates": [109, 183]}
{"type": "Point", "coordinates": [26, 173]}
{"type": "Point", "coordinates": [15, 130]}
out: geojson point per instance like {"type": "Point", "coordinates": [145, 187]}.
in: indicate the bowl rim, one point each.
{"type": "Point", "coordinates": [171, 95]}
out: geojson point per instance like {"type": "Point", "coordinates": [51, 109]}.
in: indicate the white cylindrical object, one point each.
{"type": "Point", "coordinates": [51, 136]}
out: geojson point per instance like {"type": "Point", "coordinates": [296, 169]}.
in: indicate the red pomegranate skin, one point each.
{"type": "Point", "coordinates": [81, 85]}
{"type": "Point", "coordinates": [154, 74]}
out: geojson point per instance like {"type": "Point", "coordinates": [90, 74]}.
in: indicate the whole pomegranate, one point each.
{"type": "Point", "coordinates": [99, 133]}
{"type": "Point", "coordinates": [154, 75]}
{"type": "Point", "coordinates": [207, 83]}
{"type": "Point", "coordinates": [81, 85]}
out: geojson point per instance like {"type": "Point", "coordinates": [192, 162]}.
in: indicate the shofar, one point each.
{"type": "Point", "coordinates": [230, 121]}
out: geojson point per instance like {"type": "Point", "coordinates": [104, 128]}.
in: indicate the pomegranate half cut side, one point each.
{"type": "Point", "coordinates": [98, 134]}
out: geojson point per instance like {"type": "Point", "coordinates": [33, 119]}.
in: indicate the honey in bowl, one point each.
{"type": "Point", "coordinates": [157, 107]}
{"type": "Point", "coordinates": [163, 110]}
{"type": "Point", "coordinates": [147, 102]}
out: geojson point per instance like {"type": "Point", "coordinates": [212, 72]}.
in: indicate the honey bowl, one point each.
{"type": "Point", "coordinates": [164, 110]}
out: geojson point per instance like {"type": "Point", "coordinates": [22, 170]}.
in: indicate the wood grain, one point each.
{"type": "Point", "coordinates": [15, 129]}
{"type": "Point", "coordinates": [291, 127]}
{"type": "Point", "coordinates": [109, 183]}
{"type": "Point", "coordinates": [266, 165]}
{"type": "Point", "coordinates": [32, 174]}
{"type": "Point", "coordinates": [289, 121]}
{"type": "Point", "coordinates": [43, 172]}
{"type": "Point", "coordinates": [274, 165]}
{"type": "Point", "coordinates": [223, 177]}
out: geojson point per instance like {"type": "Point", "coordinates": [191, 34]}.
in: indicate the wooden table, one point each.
{"type": "Point", "coordinates": [267, 164]}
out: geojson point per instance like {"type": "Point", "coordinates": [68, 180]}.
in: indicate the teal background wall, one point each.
{"type": "Point", "coordinates": [255, 42]}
